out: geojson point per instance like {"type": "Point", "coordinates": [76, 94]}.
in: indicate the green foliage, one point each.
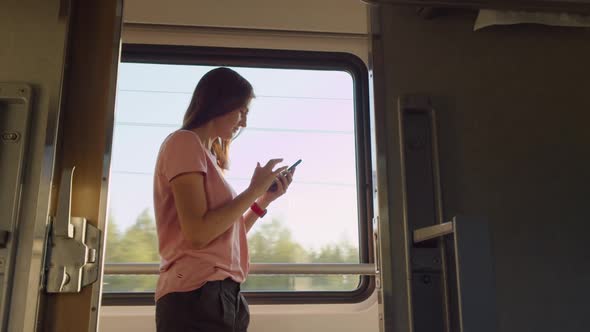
{"type": "Point", "coordinates": [272, 242]}
{"type": "Point", "coordinates": [139, 244]}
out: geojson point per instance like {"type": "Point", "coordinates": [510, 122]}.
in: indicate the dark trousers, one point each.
{"type": "Point", "coordinates": [218, 306]}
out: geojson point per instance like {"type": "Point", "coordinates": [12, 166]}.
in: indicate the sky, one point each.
{"type": "Point", "coordinates": [297, 114]}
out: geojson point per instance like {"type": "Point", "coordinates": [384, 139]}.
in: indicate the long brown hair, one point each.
{"type": "Point", "coordinates": [219, 92]}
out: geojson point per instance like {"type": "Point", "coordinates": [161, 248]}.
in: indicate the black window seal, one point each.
{"type": "Point", "coordinates": [285, 59]}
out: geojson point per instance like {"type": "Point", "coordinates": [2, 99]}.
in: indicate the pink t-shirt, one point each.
{"type": "Point", "coordinates": [184, 268]}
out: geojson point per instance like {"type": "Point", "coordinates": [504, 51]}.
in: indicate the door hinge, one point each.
{"type": "Point", "coordinates": [73, 246]}
{"type": "Point", "coordinates": [377, 251]}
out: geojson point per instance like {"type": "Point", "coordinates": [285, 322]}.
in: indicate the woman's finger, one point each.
{"type": "Point", "coordinates": [280, 185]}
{"type": "Point", "coordinates": [279, 170]}
{"type": "Point", "coordinates": [272, 163]}
{"type": "Point", "coordinates": [284, 181]}
{"type": "Point", "coordinates": [289, 177]}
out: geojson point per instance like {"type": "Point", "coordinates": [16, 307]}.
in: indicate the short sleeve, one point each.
{"type": "Point", "coordinates": [182, 153]}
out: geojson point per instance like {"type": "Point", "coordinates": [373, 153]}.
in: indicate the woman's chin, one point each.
{"type": "Point", "coordinates": [234, 134]}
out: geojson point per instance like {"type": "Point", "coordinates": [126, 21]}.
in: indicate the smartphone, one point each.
{"type": "Point", "coordinates": [294, 165]}
{"type": "Point", "coordinates": [273, 187]}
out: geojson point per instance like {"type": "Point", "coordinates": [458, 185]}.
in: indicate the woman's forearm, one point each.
{"type": "Point", "coordinates": [216, 222]}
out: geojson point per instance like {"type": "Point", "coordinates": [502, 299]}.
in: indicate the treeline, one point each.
{"type": "Point", "coordinates": [271, 242]}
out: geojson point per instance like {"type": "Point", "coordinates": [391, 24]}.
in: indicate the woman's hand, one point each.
{"type": "Point", "coordinates": [263, 177]}
{"type": "Point", "coordinates": [283, 181]}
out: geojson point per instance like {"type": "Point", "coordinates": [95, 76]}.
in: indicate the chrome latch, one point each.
{"type": "Point", "coordinates": [73, 246]}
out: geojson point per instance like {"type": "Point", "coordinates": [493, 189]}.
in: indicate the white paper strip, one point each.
{"type": "Point", "coordinates": [488, 17]}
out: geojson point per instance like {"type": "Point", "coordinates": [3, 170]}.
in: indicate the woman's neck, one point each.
{"type": "Point", "coordinates": [206, 135]}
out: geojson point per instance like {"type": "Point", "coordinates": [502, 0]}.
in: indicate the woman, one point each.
{"type": "Point", "coordinates": [201, 222]}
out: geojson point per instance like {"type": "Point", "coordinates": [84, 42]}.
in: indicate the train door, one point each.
{"type": "Point", "coordinates": [486, 122]}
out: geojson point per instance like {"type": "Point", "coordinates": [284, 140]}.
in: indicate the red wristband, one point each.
{"type": "Point", "coordinates": [258, 210]}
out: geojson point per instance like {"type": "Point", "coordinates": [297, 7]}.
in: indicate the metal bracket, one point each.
{"type": "Point", "coordinates": [473, 271]}
{"type": "Point", "coordinates": [74, 246]}
{"type": "Point", "coordinates": [377, 252]}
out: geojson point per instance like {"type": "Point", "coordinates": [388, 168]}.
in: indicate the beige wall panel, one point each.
{"type": "Point", "coordinates": [357, 45]}
{"type": "Point", "coordinates": [344, 16]}
{"type": "Point", "coordinates": [354, 317]}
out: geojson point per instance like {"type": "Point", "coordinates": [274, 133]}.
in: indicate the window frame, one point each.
{"type": "Point", "coordinates": [283, 59]}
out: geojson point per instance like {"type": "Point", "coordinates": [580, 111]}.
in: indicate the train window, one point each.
{"type": "Point", "coordinates": [308, 110]}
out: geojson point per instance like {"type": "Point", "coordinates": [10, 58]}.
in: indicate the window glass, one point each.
{"type": "Point", "coordinates": [296, 114]}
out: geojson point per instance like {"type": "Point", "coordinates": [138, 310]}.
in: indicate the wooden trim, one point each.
{"type": "Point", "coordinates": [87, 108]}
